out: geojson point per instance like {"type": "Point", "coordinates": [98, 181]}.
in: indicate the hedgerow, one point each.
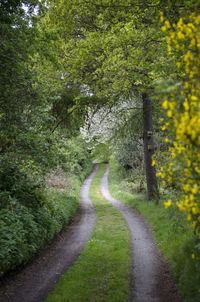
{"type": "Point", "coordinates": [32, 212]}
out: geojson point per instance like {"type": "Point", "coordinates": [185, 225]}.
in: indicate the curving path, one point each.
{"type": "Point", "coordinates": [150, 278]}
{"type": "Point", "coordinates": [35, 282]}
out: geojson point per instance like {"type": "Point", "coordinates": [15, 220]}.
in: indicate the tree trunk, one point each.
{"type": "Point", "coordinates": [152, 186]}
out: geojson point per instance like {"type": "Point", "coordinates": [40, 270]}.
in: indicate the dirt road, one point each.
{"type": "Point", "coordinates": [33, 283]}
{"type": "Point", "coordinates": [150, 277]}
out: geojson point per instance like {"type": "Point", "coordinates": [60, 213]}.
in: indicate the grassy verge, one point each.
{"type": "Point", "coordinates": [172, 232]}
{"type": "Point", "coordinates": [101, 273]}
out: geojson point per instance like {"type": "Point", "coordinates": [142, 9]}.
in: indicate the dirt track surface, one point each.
{"type": "Point", "coordinates": [34, 283]}
{"type": "Point", "coordinates": [150, 279]}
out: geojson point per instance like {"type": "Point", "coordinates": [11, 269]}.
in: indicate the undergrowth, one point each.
{"type": "Point", "coordinates": [173, 234]}
{"type": "Point", "coordinates": [27, 227]}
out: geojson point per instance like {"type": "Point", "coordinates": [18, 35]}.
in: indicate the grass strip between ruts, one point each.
{"type": "Point", "coordinates": [102, 271]}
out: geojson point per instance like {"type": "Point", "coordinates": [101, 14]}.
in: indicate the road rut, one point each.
{"type": "Point", "coordinates": [150, 278]}
{"type": "Point", "coordinates": [34, 283]}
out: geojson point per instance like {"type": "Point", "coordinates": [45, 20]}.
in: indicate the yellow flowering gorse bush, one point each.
{"type": "Point", "coordinates": [182, 108]}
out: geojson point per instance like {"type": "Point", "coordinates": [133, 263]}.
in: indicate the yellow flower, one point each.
{"type": "Point", "coordinates": [193, 224]}
{"type": "Point", "coordinates": [153, 163]}
{"type": "Point", "coordinates": [169, 179]}
{"type": "Point", "coordinates": [163, 175]}
{"type": "Point", "coordinates": [165, 104]}
{"type": "Point", "coordinates": [193, 42]}
{"type": "Point", "coordinates": [167, 24]}
{"type": "Point", "coordinates": [168, 204]}
{"type": "Point", "coordinates": [193, 256]}
{"type": "Point", "coordinates": [169, 48]}
{"type": "Point", "coordinates": [186, 106]}
{"type": "Point", "coordinates": [188, 163]}
{"type": "Point", "coordinates": [190, 25]}
{"type": "Point", "coordinates": [188, 31]}
{"type": "Point", "coordinates": [195, 210]}
{"type": "Point", "coordinates": [161, 17]}
{"type": "Point", "coordinates": [186, 85]}
{"type": "Point", "coordinates": [194, 98]}
{"type": "Point", "coordinates": [169, 113]}
{"type": "Point", "coordinates": [197, 231]}
{"type": "Point", "coordinates": [180, 23]}
{"type": "Point", "coordinates": [183, 114]}
{"type": "Point", "coordinates": [197, 170]}
{"type": "Point", "coordinates": [195, 189]}
{"type": "Point", "coordinates": [173, 155]}
{"type": "Point", "coordinates": [180, 206]}
{"type": "Point", "coordinates": [180, 35]}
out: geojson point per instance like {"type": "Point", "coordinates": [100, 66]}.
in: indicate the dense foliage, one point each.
{"type": "Point", "coordinates": [67, 65]}
{"type": "Point", "coordinates": [118, 50]}
{"type": "Point", "coordinates": [36, 131]}
{"type": "Point", "coordinates": [183, 117]}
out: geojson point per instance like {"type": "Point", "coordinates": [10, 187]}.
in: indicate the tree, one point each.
{"type": "Point", "coordinates": [112, 47]}
{"type": "Point", "coordinates": [152, 186]}
{"type": "Point", "coordinates": [34, 138]}
{"type": "Point", "coordinates": [32, 99]}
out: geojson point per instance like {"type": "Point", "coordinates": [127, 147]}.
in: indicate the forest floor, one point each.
{"type": "Point", "coordinates": [150, 277]}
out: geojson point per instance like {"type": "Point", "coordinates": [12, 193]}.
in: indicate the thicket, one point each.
{"type": "Point", "coordinates": [38, 135]}
{"type": "Point", "coordinates": [31, 214]}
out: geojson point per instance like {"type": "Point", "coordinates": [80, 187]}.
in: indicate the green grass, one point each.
{"type": "Point", "coordinates": [102, 271]}
{"type": "Point", "coordinates": [172, 232]}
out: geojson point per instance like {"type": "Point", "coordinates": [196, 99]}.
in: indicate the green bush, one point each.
{"type": "Point", "coordinates": [30, 215]}
{"type": "Point", "coordinates": [23, 231]}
